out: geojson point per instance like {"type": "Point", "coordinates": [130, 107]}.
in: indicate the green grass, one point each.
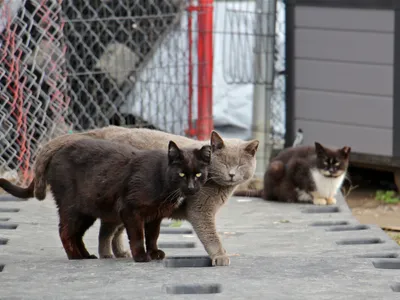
{"type": "Point", "coordinates": [388, 197]}
{"type": "Point", "coordinates": [176, 224]}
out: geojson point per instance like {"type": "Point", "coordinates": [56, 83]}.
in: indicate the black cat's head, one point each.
{"type": "Point", "coordinates": [188, 168]}
{"type": "Point", "coordinates": [332, 162]}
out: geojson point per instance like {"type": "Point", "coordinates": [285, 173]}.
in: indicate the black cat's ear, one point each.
{"type": "Point", "coordinates": [174, 153]}
{"type": "Point", "coordinates": [205, 153]}
{"type": "Point", "coordinates": [319, 149]}
{"type": "Point", "coordinates": [345, 151]}
{"type": "Point", "coordinates": [216, 141]}
{"type": "Point", "coordinates": [251, 147]}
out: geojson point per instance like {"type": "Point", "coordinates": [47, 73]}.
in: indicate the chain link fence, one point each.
{"type": "Point", "coordinates": [75, 65]}
{"type": "Point", "coordinates": [240, 37]}
{"type": "Point", "coordinates": [32, 80]}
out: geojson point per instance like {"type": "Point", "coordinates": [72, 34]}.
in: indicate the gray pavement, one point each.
{"type": "Point", "coordinates": [278, 251]}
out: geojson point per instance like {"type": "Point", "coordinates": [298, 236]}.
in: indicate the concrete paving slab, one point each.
{"type": "Point", "coordinates": [278, 251]}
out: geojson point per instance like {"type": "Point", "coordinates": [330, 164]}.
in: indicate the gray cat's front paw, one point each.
{"type": "Point", "coordinates": [125, 254]}
{"type": "Point", "coordinates": [220, 260]}
{"type": "Point", "coordinates": [331, 201]}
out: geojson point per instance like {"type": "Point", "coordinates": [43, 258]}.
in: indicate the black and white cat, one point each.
{"type": "Point", "coordinates": [304, 174]}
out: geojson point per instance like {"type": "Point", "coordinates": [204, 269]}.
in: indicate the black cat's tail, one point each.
{"type": "Point", "coordinates": [16, 190]}
{"type": "Point", "coordinates": [249, 193]}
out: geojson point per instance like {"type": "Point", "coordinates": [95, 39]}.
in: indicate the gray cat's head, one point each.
{"type": "Point", "coordinates": [233, 161]}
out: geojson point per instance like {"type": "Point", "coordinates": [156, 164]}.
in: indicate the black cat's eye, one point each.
{"type": "Point", "coordinates": [198, 175]}
{"type": "Point", "coordinates": [181, 174]}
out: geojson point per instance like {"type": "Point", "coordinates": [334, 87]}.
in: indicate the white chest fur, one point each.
{"type": "Point", "coordinates": [327, 187]}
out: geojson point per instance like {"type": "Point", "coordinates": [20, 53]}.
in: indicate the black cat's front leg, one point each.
{"type": "Point", "coordinates": [152, 231]}
{"type": "Point", "coordinates": [134, 225]}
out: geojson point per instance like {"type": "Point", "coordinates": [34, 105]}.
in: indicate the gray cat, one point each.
{"type": "Point", "coordinates": [233, 162]}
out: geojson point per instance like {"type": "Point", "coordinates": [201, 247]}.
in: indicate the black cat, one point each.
{"type": "Point", "coordinates": [122, 186]}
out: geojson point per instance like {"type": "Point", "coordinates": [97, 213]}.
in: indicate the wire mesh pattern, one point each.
{"type": "Point", "coordinates": [242, 40]}
{"type": "Point", "coordinates": [32, 79]}
{"type": "Point", "coordinates": [76, 65]}
{"type": "Point", "coordinates": [110, 44]}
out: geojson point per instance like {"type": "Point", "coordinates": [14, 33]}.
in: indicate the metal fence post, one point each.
{"type": "Point", "coordinates": [264, 79]}
{"type": "Point", "coordinates": [205, 69]}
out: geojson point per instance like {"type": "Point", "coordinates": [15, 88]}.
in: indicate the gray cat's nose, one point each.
{"type": "Point", "coordinates": [232, 175]}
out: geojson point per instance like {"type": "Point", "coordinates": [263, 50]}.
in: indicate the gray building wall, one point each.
{"type": "Point", "coordinates": [343, 89]}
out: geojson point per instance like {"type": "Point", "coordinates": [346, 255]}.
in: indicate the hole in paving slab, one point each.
{"type": "Point", "coordinates": [176, 230]}
{"type": "Point", "coordinates": [187, 262]}
{"type": "Point", "coordinates": [10, 198]}
{"type": "Point", "coordinates": [4, 219]}
{"type": "Point", "coordinates": [395, 287]}
{"type": "Point", "coordinates": [193, 289]}
{"type": "Point", "coordinates": [360, 241]}
{"type": "Point", "coordinates": [176, 245]}
{"type": "Point", "coordinates": [348, 228]}
{"type": "Point", "coordinates": [3, 241]}
{"type": "Point", "coordinates": [321, 210]}
{"type": "Point", "coordinates": [9, 209]}
{"type": "Point", "coordinates": [378, 255]}
{"type": "Point", "coordinates": [386, 264]}
{"type": "Point", "coordinates": [1, 268]}
{"type": "Point", "coordinates": [329, 223]}
{"type": "Point", "coordinates": [8, 226]}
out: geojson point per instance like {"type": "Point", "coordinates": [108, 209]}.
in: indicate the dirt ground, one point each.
{"type": "Point", "coordinates": [365, 207]}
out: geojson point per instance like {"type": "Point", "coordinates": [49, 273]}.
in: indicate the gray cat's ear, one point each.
{"type": "Point", "coordinates": [319, 149]}
{"type": "Point", "coordinates": [205, 154]}
{"type": "Point", "coordinates": [345, 151]}
{"type": "Point", "coordinates": [216, 141]}
{"type": "Point", "coordinates": [251, 147]}
{"type": "Point", "coordinates": [174, 153]}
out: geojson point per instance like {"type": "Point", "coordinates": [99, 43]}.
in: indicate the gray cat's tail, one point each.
{"type": "Point", "coordinates": [16, 190]}
{"type": "Point", "coordinates": [249, 193]}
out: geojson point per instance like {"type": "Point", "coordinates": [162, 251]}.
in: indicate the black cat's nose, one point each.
{"type": "Point", "coordinates": [191, 190]}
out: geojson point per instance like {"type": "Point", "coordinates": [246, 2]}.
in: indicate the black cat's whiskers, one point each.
{"type": "Point", "coordinates": [174, 194]}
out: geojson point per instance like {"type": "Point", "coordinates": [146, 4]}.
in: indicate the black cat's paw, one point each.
{"type": "Point", "coordinates": [91, 256]}
{"type": "Point", "coordinates": [142, 257]}
{"type": "Point", "coordinates": [157, 254]}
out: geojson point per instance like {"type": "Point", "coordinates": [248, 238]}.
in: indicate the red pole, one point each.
{"type": "Point", "coordinates": [205, 69]}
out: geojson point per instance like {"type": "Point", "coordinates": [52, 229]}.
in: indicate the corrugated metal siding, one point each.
{"type": "Point", "coordinates": [344, 77]}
